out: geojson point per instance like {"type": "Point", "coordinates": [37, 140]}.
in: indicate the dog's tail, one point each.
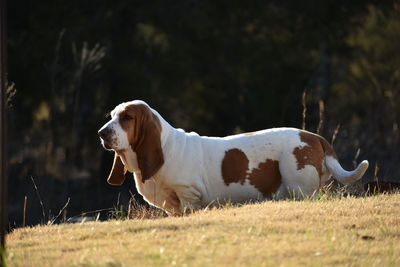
{"type": "Point", "coordinates": [343, 176]}
{"type": "Point", "coordinates": [334, 167]}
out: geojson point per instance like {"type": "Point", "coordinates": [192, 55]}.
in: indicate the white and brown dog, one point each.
{"type": "Point", "coordinates": [175, 170]}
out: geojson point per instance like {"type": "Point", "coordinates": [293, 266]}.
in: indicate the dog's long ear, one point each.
{"type": "Point", "coordinates": [118, 171]}
{"type": "Point", "coordinates": [149, 152]}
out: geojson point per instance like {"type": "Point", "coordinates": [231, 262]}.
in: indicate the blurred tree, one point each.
{"type": "Point", "coordinates": [367, 92]}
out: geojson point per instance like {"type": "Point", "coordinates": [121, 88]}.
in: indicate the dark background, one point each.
{"type": "Point", "coordinates": [214, 67]}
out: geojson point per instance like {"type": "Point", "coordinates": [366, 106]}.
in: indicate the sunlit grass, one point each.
{"type": "Point", "coordinates": [325, 230]}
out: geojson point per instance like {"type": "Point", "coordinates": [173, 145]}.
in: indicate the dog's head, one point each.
{"type": "Point", "coordinates": [133, 128]}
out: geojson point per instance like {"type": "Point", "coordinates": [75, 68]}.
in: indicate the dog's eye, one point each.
{"type": "Point", "coordinates": [126, 117]}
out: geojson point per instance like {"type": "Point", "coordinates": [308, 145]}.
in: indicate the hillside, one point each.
{"type": "Point", "coordinates": [347, 231]}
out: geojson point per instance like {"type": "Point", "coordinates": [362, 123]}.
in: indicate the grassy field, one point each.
{"type": "Point", "coordinates": [339, 231]}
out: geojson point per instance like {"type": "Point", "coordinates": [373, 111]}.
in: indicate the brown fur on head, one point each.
{"type": "Point", "coordinates": [143, 130]}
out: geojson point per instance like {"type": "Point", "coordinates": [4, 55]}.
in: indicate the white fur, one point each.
{"type": "Point", "coordinates": [192, 165]}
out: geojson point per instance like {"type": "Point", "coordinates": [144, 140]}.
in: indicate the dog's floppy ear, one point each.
{"type": "Point", "coordinates": [149, 152]}
{"type": "Point", "coordinates": [118, 171]}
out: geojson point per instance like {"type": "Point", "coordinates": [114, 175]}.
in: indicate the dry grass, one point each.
{"type": "Point", "coordinates": [337, 231]}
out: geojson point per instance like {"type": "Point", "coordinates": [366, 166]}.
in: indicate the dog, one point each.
{"type": "Point", "coordinates": [177, 171]}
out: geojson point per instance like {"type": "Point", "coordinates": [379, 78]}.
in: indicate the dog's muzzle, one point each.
{"type": "Point", "coordinates": [106, 137]}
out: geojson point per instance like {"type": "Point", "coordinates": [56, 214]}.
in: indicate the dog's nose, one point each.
{"type": "Point", "coordinates": [104, 132]}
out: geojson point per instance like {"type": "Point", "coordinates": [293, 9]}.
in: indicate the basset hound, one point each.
{"type": "Point", "coordinates": [175, 170]}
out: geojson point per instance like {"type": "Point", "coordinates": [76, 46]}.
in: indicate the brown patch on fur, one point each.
{"type": "Point", "coordinates": [313, 153]}
{"type": "Point", "coordinates": [234, 166]}
{"type": "Point", "coordinates": [328, 149]}
{"type": "Point", "coordinates": [118, 171]}
{"type": "Point", "coordinates": [144, 134]}
{"type": "Point", "coordinates": [267, 177]}
{"type": "Point", "coordinates": [310, 154]}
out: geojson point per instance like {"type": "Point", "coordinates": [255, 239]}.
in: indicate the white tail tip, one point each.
{"type": "Point", "coordinates": [343, 176]}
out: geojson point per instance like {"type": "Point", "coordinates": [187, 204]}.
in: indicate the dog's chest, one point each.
{"type": "Point", "coordinates": [158, 194]}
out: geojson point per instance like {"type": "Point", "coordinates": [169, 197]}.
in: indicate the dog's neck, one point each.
{"type": "Point", "coordinates": [173, 144]}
